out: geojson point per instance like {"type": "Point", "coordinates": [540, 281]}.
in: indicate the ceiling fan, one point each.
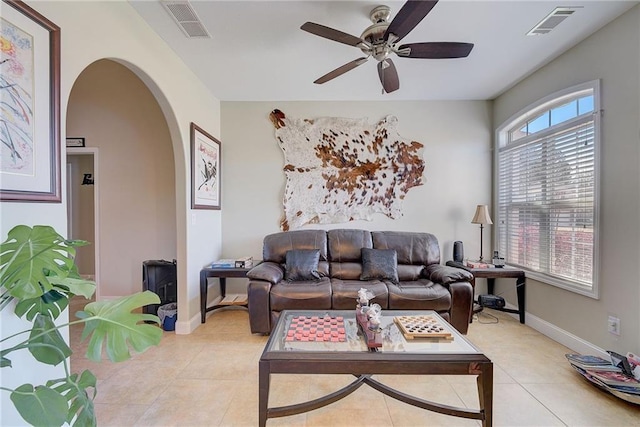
{"type": "Point", "coordinates": [381, 39]}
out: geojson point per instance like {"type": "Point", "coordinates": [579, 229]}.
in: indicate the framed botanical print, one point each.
{"type": "Point", "coordinates": [205, 169]}
{"type": "Point", "coordinates": [30, 96]}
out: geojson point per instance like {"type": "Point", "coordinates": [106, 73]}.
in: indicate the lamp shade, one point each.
{"type": "Point", "coordinates": [482, 215]}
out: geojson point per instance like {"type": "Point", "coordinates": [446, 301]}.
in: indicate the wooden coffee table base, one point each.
{"type": "Point", "coordinates": [333, 365]}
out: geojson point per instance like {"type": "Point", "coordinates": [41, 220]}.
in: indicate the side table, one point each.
{"type": "Point", "coordinates": [221, 274]}
{"type": "Point", "coordinates": [498, 273]}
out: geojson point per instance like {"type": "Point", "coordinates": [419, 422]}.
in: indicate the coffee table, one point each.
{"type": "Point", "coordinates": [399, 356]}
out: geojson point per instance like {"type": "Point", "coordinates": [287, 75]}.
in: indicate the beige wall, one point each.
{"type": "Point", "coordinates": [117, 114]}
{"type": "Point", "coordinates": [93, 30]}
{"type": "Point", "coordinates": [612, 55]}
{"type": "Point", "coordinates": [457, 139]}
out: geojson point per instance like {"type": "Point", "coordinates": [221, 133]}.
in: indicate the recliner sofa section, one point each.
{"type": "Point", "coordinates": [417, 282]}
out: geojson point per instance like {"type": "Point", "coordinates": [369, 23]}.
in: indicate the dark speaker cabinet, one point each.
{"type": "Point", "coordinates": [160, 277]}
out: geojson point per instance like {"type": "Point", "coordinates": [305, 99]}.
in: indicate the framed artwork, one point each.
{"type": "Point", "coordinates": [30, 96]}
{"type": "Point", "coordinates": [75, 142]}
{"type": "Point", "coordinates": [205, 169]}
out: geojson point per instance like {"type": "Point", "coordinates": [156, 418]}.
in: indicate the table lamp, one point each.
{"type": "Point", "coordinates": [481, 217]}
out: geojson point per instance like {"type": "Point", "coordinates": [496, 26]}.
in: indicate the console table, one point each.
{"type": "Point", "coordinates": [499, 273]}
{"type": "Point", "coordinates": [221, 274]}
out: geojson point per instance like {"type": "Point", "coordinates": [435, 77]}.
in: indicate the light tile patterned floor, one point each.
{"type": "Point", "coordinates": [209, 378]}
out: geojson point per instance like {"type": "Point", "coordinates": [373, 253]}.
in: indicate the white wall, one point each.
{"type": "Point", "coordinates": [457, 154]}
{"type": "Point", "coordinates": [612, 55]}
{"type": "Point", "coordinates": [93, 30]}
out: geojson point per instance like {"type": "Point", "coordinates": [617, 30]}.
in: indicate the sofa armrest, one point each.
{"type": "Point", "coordinates": [261, 278]}
{"type": "Point", "coordinates": [461, 304]}
{"type": "Point", "coordinates": [459, 282]}
{"type": "Point", "coordinates": [268, 271]}
{"type": "Point", "coordinates": [446, 275]}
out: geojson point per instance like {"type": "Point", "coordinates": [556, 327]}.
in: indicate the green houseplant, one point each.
{"type": "Point", "coordinates": [37, 279]}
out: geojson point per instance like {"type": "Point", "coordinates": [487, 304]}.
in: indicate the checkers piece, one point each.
{"type": "Point", "coordinates": [425, 326]}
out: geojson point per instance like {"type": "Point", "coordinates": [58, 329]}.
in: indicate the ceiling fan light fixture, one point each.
{"type": "Point", "coordinates": [379, 40]}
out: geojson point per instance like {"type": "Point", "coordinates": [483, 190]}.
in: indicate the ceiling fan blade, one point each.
{"type": "Point", "coordinates": [435, 50]}
{"type": "Point", "coordinates": [388, 75]}
{"type": "Point", "coordinates": [410, 15]}
{"type": "Point", "coordinates": [341, 70]}
{"type": "Point", "coordinates": [331, 34]}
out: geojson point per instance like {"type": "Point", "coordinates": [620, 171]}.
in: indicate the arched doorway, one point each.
{"type": "Point", "coordinates": [118, 116]}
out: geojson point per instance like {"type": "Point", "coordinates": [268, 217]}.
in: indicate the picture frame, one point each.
{"type": "Point", "coordinates": [75, 142]}
{"type": "Point", "coordinates": [30, 130]}
{"type": "Point", "coordinates": [206, 169]}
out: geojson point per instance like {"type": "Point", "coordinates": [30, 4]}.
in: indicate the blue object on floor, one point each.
{"type": "Point", "coordinates": [168, 315]}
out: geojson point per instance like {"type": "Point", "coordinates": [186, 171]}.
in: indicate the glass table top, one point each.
{"type": "Point", "coordinates": [352, 339]}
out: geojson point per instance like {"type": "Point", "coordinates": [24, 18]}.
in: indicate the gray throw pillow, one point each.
{"type": "Point", "coordinates": [302, 264]}
{"type": "Point", "coordinates": [381, 264]}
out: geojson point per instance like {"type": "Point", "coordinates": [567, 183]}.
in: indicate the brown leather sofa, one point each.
{"type": "Point", "coordinates": [422, 283]}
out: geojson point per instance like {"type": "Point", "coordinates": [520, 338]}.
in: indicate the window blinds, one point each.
{"type": "Point", "coordinates": [546, 201]}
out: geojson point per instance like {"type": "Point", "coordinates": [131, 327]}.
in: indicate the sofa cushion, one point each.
{"type": "Point", "coordinates": [412, 248]}
{"type": "Point", "coordinates": [344, 246]}
{"type": "Point", "coordinates": [312, 295]}
{"type": "Point", "coordinates": [381, 264]}
{"type": "Point", "coordinates": [275, 246]}
{"type": "Point", "coordinates": [302, 264]}
{"type": "Point", "coordinates": [420, 294]}
{"type": "Point", "coordinates": [345, 293]}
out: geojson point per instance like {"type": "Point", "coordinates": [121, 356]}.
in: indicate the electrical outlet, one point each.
{"type": "Point", "coordinates": [613, 324]}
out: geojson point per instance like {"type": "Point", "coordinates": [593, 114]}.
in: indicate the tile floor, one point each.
{"type": "Point", "coordinates": [210, 378]}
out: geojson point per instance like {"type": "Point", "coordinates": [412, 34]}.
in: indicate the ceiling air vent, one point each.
{"type": "Point", "coordinates": [552, 20]}
{"type": "Point", "coordinates": [186, 18]}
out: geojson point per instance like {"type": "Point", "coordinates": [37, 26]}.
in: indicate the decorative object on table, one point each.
{"type": "Point", "coordinates": [75, 142]}
{"type": "Point", "coordinates": [30, 135]}
{"type": "Point", "coordinates": [458, 251]}
{"type": "Point", "coordinates": [244, 262]}
{"type": "Point", "coordinates": [380, 40]}
{"type": "Point", "coordinates": [481, 217]}
{"type": "Point", "coordinates": [478, 264]}
{"type": "Point", "coordinates": [205, 169]}
{"type": "Point", "coordinates": [342, 169]}
{"type": "Point", "coordinates": [374, 315]}
{"type": "Point", "coordinates": [497, 260]}
{"type": "Point", "coordinates": [364, 313]}
{"type": "Point", "coordinates": [421, 327]}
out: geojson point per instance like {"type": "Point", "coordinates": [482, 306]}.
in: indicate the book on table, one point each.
{"type": "Point", "coordinates": [591, 362]}
{"type": "Point", "coordinates": [614, 379]}
{"type": "Point", "coordinates": [224, 263]}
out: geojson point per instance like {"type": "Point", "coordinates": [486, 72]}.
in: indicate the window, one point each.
{"type": "Point", "coordinates": [547, 189]}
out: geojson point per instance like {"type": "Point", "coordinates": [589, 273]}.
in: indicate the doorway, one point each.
{"type": "Point", "coordinates": [82, 210]}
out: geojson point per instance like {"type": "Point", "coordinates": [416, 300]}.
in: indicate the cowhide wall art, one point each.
{"type": "Point", "coordinates": [341, 169]}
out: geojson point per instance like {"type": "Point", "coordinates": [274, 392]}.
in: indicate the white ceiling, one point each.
{"type": "Point", "coordinates": [258, 52]}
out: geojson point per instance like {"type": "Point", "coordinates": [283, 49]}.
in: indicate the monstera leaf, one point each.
{"type": "Point", "coordinates": [50, 304]}
{"type": "Point", "coordinates": [45, 342]}
{"type": "Point", "coordinates": [40, 406]}
{"type": "Point", "coordinates": [80, 401]}
{"type": "Point", "coordinates": [30, 255]}
{"type": "Point", "coordinates": [114, 324]}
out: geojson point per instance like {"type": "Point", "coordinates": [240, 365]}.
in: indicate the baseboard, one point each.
{"type": "Point", "coordinates": [561, 336]}
{"type": "Point", "coordinates": [186, 327]}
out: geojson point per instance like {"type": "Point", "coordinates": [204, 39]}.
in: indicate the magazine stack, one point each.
{"type": "Point", "coordinates": [619, 376]}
